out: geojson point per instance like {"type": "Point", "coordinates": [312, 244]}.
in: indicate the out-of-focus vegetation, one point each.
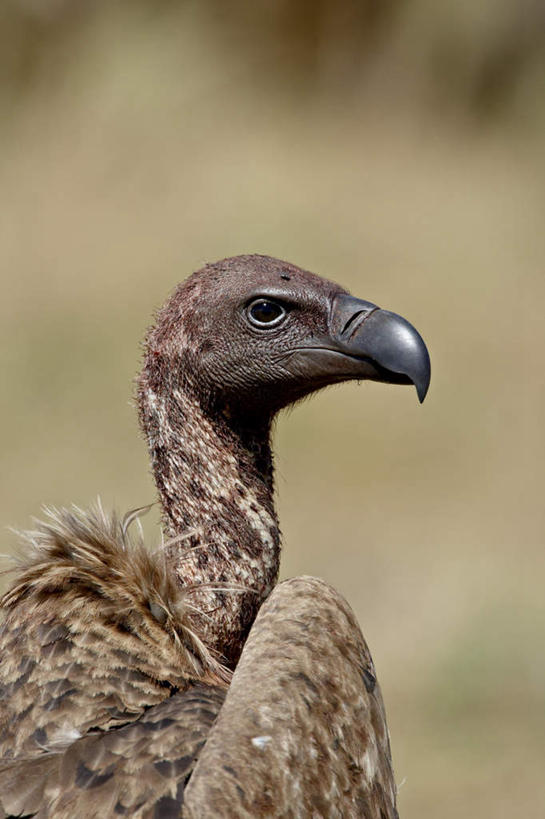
{"type": "Point", "coordinates": [394, 146]}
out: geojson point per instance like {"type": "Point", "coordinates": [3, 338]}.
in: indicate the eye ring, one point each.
{"type": "Point", "coordinates": [265, 313]}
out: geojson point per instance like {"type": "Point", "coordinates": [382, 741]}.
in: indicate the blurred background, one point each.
{"type": "Point", "coordinates": [396, 147]}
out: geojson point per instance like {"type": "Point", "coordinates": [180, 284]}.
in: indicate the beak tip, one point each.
{"type": "Point", "coordinates": [404, 351]}
{"type": "Point", "coordinates": [422, 381]}
{"type": "Point", "coordinates": [421, 392]}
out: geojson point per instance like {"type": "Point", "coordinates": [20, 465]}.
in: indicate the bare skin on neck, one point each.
{"type": "Point", "coordinates": [216, 488]}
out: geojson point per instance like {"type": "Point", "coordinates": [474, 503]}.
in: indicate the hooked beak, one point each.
{"type": "Point", "coordinates": [366, 342]}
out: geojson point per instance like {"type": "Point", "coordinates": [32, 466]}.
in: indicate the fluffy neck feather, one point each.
{"type": "Point", "coordinates": [215, 482]}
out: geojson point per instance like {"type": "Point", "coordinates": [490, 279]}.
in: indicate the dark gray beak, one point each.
{"type": "Point", "coordinates": [388, 348]}
{"type": "Point", "coordinates": [364, 342]}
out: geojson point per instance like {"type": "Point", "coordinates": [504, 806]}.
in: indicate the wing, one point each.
{"type": "Point", "coordinates": [303, 730]}
{"type": "Point", "coordinates": [95, 633]}
{"type": "Point", "coordinates": [106, 693]}
{"type": "Point", "coordinates": [59, 680]}
{"type": "Point", "coordinates": [138, 770]}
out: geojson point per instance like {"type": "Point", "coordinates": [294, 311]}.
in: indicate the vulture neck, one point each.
{"type": "Point", "coordinates": [215, 480]}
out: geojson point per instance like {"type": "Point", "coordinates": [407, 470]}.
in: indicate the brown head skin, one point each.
{"type": "Point", "coordinates": [235, 343]}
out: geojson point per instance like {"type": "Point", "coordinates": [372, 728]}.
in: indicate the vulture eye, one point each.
{"type": "Point", "coordinates": [265, 313]}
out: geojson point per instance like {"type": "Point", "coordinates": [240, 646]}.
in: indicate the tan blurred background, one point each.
{"type": "Point", "coordinates": [395, 146]}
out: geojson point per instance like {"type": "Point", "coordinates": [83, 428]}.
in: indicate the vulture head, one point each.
{"type": "Point", "coordinates": [251, 334]}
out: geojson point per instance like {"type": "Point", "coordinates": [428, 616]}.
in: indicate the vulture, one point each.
{"type": "Point", "coordinates": [184, 681]}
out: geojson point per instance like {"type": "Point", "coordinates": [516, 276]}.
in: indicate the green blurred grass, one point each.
{"type": "Point", "coordinates": [152, 152]}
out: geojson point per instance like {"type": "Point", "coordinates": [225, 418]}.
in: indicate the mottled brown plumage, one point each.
{"type": "Point", "coordinates": [138, 769]}
{"type": "Point", "coordinates": [116, 661]}
{"type": "Point", "coordinates": [311, 740]}
{"type": "Point", "coordinates": [96, 632]}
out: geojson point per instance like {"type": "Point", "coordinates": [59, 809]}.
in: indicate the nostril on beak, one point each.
{"type": "Point", "coordinates": [353, 322]}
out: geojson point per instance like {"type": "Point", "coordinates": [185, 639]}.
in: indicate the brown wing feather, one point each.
{"type": "Point", "coordinates": [96, 638]}
{"type": "Point", "coordinates": [303, 729]}
{"type": "Point", "coordinates": [138, 770]}
{"type": "Point", "coordinates": [95, 632]}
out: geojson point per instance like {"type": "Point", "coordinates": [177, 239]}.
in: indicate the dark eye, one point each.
{"type": "Point", "coordinates": [265, 313]}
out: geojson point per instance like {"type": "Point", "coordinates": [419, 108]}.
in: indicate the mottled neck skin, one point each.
{"type": "Point", "coordinates": [215, 482]}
